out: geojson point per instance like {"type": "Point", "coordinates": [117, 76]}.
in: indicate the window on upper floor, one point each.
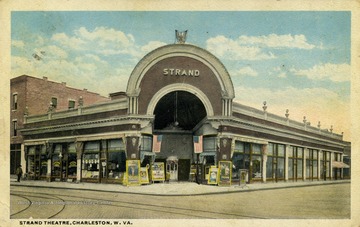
{"type": "Point", "coordinates": [14, 127]}
{"type": "Point", "coordinates": [54, 102]}
{"type": "Point", "coordinates": [71, 104]}
{"type": "Point", "coordinates": [15, 101]}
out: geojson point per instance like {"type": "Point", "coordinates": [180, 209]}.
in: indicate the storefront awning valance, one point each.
{"type": "Point", "coordinates": [337, 164]}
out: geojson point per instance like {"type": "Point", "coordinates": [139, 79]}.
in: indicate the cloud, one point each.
{"type": "Point", "coordinates": [65, 41]}
{"type": "Point", "coordinates": [152, 45]}
{"type": "Point", "coordinates": [226, 48]}
{"type": "Point", "coordinates": [278, 72]}
{"type": "Point", "coordinates": [317, 104]}
{"type": "Point", "coordinates": [245, 71]}
{"type": "Point", "coordinates": [277, 41]}
{"type": "Point", "coordinates": [328, 71]}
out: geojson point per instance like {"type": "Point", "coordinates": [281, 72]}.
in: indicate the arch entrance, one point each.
{"type": "Point", "coordinates": [176, 116]}
{"type": "Point", "coordinates": [178, 109]}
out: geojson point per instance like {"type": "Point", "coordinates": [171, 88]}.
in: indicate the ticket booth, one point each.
{"type": "Point", "coordinates": [172, 167]}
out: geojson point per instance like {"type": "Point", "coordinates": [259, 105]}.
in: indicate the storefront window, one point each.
{"type": "Point", "coordinates": [43, 161]}
{"type": "Point", "coordinates": [147, 157]}
{"type": "Point", "coordinates": [256, 159]}
{"type": "Point", "coordinates": [90, 160]}
{"type": "Point", "coordinates": [72, 161]}
{"type": "Point", "coordinates": [321, 157]}
{"type": "Point", "coordinates": [269, 162]}
{"type": "Point", "coordinates": [31, 160]}
{"type": "Point", "coordinates": [56, 161]}
{"type": "Point", "coordinates": [280, 174]}
{"type": "Point", "coordinates": [299, 163]}
{"type": "Point", "coordinates": [241, 158]}
{"type": "Point", "coordinates": [275, 165]}
{"type": "Point", "coordinates": [209, 144]}
{"type": "Point", "coordinates": [311, 163]}
{"type": "Point", "coordinates": [291, 168]}
{"type": "Point", "coordinates": [116, 163]}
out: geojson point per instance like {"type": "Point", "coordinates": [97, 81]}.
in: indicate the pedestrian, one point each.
{"type": "Point", "coordinates": [19, 173]}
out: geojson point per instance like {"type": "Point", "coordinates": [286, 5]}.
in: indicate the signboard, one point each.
{"type": "Point", "coordinates": [144, 176]}
{"type": "Point", "coordinates": [243, 173]}
{"type": "Point", "coordinates": [133, 172]}
{"type": "Point", "coordinates": [158, 171]}
{"type": "Point", "coordinates": [213, 175]}
{"type": "Point", "coordinates": [225, 169]}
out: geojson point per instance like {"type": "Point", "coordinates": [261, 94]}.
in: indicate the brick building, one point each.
{"type": "Point", "coordinates": [34, 96]}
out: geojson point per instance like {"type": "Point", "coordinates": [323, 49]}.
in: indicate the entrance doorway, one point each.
{"type": "Point", "coordinates": [172, 168]}
{"type": "Point", "coordinates": [176, 115]}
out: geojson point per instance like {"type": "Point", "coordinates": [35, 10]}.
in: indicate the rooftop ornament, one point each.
{"type": "Point", "coordinates": [81, 101]}
{"type": "Point", "coordinates": [51, 107]}
{"type": "Point", "coordinates": [287, 113]}
{"type": "Point", "coordinates": [180, 37]}
{"type": "Point", "coordinates": [264, 107]}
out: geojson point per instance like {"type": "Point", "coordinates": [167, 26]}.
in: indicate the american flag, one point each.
{"type": "Point", "coordinates": [157, 143]}
{"type": "Point", "coordinates": [198, 144]}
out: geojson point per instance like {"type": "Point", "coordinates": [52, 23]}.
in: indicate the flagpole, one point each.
{"type": "Point", "coordinates": [197, 168]}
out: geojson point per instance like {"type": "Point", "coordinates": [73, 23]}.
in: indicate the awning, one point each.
{"type": "Point", "coordinates": [336, 164]}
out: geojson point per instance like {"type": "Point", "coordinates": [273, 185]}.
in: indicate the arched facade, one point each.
{"type": "Point", "coordinates": [180, 67]}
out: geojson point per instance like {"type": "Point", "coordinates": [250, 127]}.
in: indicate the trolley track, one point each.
{"type": "Point", "coordinates": [167, 211]}
{"type": "Point", "coordinates": [49, 201]}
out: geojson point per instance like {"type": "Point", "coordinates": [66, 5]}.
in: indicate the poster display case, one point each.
{"type": "Point", "coordinates": [132, 172]}
{"type": "Point", "coordinates": [144, 175]}
{"type": "Point", "coordinates": [213, 175]}
{"type": "Point", "coordinates": [158, 171]}
{"type": "Point", "coordinates": [225, 170]}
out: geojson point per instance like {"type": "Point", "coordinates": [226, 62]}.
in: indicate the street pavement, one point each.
{"type": "Point", "coordinates": [172, 188]}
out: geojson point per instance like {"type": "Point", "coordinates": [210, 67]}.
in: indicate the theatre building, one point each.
{"type": "Point", "coordinates": [179, 97]}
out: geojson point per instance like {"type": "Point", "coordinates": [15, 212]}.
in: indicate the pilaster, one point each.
{"type": "Point", "coordinates": [79, 149]}
{"type": "Point", "coordinates": [306, 150]}
{"type": "Point", "coordinates": [264, 158]}
{"type": "Point", "coordinates": [287, 152]}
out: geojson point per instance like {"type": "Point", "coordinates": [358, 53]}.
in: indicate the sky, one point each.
{"type": "Point", "coordinates": [295, 60]}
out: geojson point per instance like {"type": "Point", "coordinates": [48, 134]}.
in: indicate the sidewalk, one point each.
{"type": "Point", "coordinates": [175, 189]}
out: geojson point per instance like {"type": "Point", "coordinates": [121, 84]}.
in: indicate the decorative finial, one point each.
{"type": "Point", "coordinates": [264, 107]}
{"type": "Point", "coordinates": [331, 129]}
{"type": "Point", "coordinates": [304, 120]}
{"type": "Point", "coordinates": [287, 113]}
{"type": "Point", "coordinates": [51, 107]}
{"type": "Point", "coordinates": [180, 36]}
{"type": "Point", "coordinates": [319, 125]}
{"type": "Point", "coordinates": [81, 101]}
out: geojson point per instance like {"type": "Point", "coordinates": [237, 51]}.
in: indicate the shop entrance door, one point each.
{"type": "Point", "coordinates": [172, 168]}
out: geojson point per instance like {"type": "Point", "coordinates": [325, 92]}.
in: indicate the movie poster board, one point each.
{"type": "Point", "coordinates": [225, 170]}
{"type": "Point", "coordinates": [144, 176]}
{"type": "Point", "coordinates": [158, 171]}
{"type": "Point", "coordinates": [243, 173]}
{"type": "Point", "coordinates": [213, 175]}
{"type": "Point", "coordinates": [132, 172]}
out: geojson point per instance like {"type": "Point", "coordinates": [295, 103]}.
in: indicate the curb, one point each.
{"type": "Point", "coordinates": [185, 194]}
